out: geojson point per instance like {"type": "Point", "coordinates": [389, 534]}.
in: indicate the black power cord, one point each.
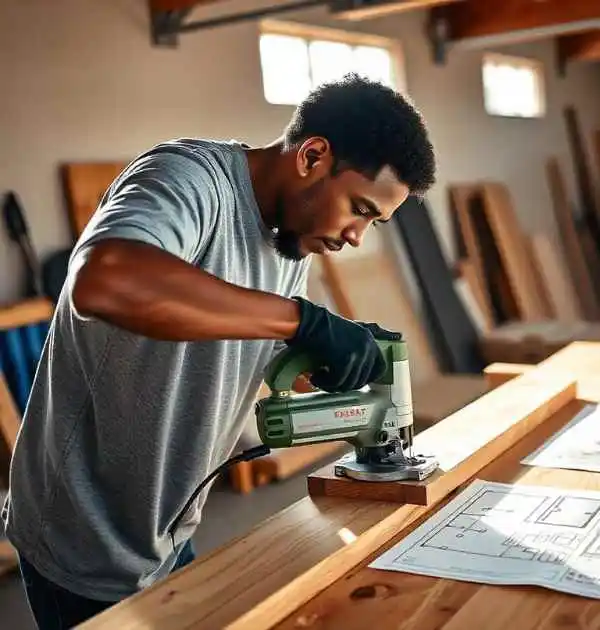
{"type": "Point", "coordinates": [244, 456]}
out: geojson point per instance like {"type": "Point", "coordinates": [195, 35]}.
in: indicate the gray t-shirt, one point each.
{"type": "Point", "coordinates": [121, 429]}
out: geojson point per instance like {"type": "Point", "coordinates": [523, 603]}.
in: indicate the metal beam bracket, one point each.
{"type": "Point", "coordinates": [168, 25]}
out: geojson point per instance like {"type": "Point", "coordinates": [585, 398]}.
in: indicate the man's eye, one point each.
{"type": "Point", "coordinates": [360, 210]}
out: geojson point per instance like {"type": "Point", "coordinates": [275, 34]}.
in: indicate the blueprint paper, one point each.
{"type": "Point", "coordinates": [576, 446]}
{"type": "Point", "coordinates": [495, 533]}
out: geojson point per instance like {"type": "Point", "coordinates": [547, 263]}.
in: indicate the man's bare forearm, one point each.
{"type": "Point", "coordinates": [150, 292]}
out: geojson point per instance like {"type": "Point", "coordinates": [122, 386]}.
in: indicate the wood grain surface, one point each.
{"type": "Point", "coordinates": [400, 600]}
{"type": "Point", "coordinates": [309, 546]}
{"type": "Point", "coordinates": [487, 427]}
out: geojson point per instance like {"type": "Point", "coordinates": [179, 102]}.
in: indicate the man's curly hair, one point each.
{"type": "Point", "coordinates": [369, 126]}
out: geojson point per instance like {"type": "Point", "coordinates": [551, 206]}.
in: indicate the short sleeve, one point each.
{"type": "Point", "coordinates": [164, 199]}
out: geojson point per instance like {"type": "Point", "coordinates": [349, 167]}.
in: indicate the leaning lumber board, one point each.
{"type": "Point", "coordinates": [511, 244]}
{"type": "Point", "coordinates": [574, 254]}
{"type": "Point", "coordinates": [487, 427]}
{"type": "Point", "coordinates": [356, 598]}
{"type": "Point", "coordinates": [561, 292]}
{"type": "Point", "coordinates": [461, 198]}
{"type": "Point", "coordinates": [84, 185]}
{"type": "Point", "coordinates": [557, 393]}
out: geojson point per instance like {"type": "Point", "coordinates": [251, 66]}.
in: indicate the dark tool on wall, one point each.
{"type": "Point", "coordinates": [18, 231]}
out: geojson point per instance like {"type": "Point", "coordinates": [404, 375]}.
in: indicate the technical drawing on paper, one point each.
{"type": "Point", "coordinates": [503, 534]}
{"type": "Point", "coordinates": [575, 446]}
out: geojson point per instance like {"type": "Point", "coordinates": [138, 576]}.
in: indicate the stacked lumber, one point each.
{"type": "Point", "coordinates": [515, 276]}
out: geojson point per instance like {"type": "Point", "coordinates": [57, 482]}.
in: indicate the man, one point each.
{"type": "Point", "coordinates": [187, 280]}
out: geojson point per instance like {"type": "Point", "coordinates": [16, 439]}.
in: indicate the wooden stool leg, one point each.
{"type": "Point", "coordinates": [241, 477]}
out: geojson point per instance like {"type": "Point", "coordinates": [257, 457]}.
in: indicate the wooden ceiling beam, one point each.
{"type": "Point", "coordinates": [479, 21]}
{"type": "Point", "coordinates": [358, 10]}
{"type": "Point", "coordinates": [176, 5]}
{"type": "Point", "coordinates": [580, 47]}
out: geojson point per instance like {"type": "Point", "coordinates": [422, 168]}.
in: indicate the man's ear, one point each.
{"type": "Point", "coordinates": [314, 157]}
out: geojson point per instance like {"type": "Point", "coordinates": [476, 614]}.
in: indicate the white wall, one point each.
{"type": "Point", "coordinates": [80, 81]}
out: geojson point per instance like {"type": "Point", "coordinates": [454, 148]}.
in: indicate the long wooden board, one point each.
{"type": "Point", "coordinates": [277, 561]}
{"type": "Point", "coordinates": [565, 222]}
{"type": "Point", "coordinates": [290, 599]}
{"type": "Point", "coordinates": [400, 600]}
{"type": "Point", "coordinates": [511, 244]}
{"type": "Point", "coordinates": [461, 198]}
{"type": "Point", "coordinates": [487, 427]}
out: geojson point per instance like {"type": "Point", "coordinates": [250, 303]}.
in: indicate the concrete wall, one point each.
{"type": "Point", "coordinates": [80, 81]}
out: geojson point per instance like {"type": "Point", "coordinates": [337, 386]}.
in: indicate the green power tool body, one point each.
{"type": "Point", "coordinates": [377, 419]}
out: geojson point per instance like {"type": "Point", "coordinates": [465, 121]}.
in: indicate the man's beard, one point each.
{"type": "Point", "coordinates": [286, 242]}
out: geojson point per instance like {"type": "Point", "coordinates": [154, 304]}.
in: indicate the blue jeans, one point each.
{"type": "Point", "coordinates": [55, 608]}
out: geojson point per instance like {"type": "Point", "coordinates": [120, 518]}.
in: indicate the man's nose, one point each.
{"type": "Point", "coordinates": [354, 235]}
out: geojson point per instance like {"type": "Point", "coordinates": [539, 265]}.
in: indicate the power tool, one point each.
{"type": "Point", "coordinates": [376, 420]}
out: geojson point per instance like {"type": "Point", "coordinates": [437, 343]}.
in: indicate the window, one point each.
{"type": "Point", "coordinates": [513, 86]}
{"type": "Point", "coordinates": [296, 58]}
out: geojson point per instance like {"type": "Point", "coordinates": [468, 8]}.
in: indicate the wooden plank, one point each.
{"type": "Point", "coordinates": [487, 426]}
{"type": "Point", "coordinates": [573, 252]}
{"type": "Point", "coordinates": [466, 272]}
{"type": "Point", "coordinates": [561, 293]}
{"type": "Point", "coordinates": [520, 18]}
{"type": "Point", "coordinates": [583, 176]}
{"type": "Point", "coordinates": [284, 463]}
{"type": "Point", "coordinates": [532, 342]}
{"type": "Point", "coordinates": [580, 46]}
{"type": "Point", "coordinates": [177, 5]}
{"type": "Point", "coordinates": [342, 9]}
{"type": "Point", "coordinates": [84, 185]}
{"type": "Point", "coordinates": [289, 599]}
{"type": "Point", "coordinates": [460, 201]}
{"type": "Point", "coordinates": [222, 586]}
{"type": "Point", "coordinates": [25, 313]}
{"type": "Point", "coordinates": [356, 598]}
{"type": "Point", "coordinates": [510, 242]}
{"type": "Point", "coordinates": [540, 279]}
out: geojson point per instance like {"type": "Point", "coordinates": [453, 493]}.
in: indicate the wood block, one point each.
{"type": "Point", "coordinates": [282, 463]}
{"type": "Point", "coordinates": [497, 374]}
{"type": "Point", "coordinates": [488, 426]}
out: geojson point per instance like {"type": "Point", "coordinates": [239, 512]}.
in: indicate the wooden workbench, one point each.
{"type": "Point", "coordinates": [306, 567]}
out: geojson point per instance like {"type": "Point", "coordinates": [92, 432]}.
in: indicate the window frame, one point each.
{"type": "Point", "coordinates": [515, 61]}
{"type": "Point", "coordinates": [311, 32]}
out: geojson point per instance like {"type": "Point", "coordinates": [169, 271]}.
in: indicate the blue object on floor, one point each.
{"type": "Point", "coordinates": [20, 350]}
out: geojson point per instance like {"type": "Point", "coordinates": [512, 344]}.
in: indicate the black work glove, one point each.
{"type": "Point", "coordinates": [345, 351]}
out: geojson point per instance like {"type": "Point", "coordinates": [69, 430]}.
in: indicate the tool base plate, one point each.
{"type": "Point", "coordinates": [416, 468]}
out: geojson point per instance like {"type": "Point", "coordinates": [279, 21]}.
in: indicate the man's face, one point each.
{"type": "Point", "coordinates": [319, 212]}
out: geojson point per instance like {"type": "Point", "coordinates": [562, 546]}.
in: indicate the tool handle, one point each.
{"type": "Point", "coordinates": [285, 368]}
